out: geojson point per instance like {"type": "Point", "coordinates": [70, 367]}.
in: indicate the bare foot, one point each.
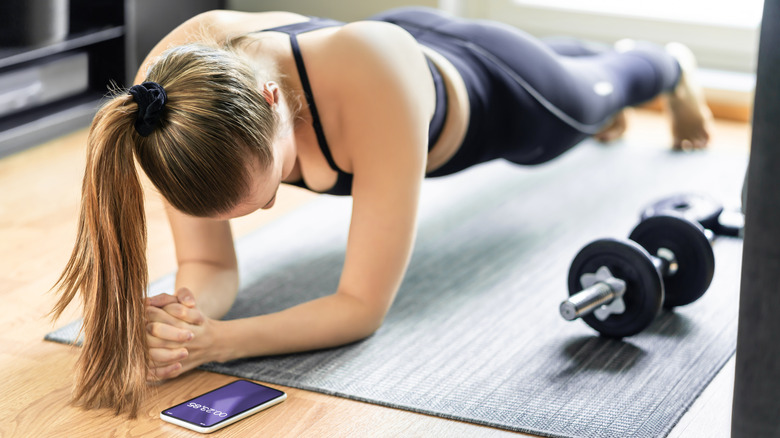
{"type": "Point", "coordinates": [691, 118]}
{"type": "Point", "coordinates": [614, 129]}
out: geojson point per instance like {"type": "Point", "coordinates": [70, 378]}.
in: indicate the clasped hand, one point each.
{"type": "Point", "coordinates": [178, 334]}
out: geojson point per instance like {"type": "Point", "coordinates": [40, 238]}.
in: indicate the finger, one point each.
{"type": "Point", "coordinates": [168, 332]}
{"type": "Point", "coordinates": [162, 373]}
{"type": "Point", "coordinates": [161, 300]}
{"type": "Point", "coordinates": [165, 356]}
{"type": "Point", "coordinates": [176, 315]}
{"type": "Point", "coordinates": [157, 314]}
{"type": "Point", "coordinates": [155, 342]}
{"type": "Point", "coordinates": [184, 313]}
{"type": "Point", "coordinates": [186, 297]}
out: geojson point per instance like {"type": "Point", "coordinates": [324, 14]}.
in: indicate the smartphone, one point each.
{"type": "Point", "coordinates": [223, 406]}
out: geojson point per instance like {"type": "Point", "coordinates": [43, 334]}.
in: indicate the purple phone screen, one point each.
{"type": "Point", "coordinates": [223, 403]}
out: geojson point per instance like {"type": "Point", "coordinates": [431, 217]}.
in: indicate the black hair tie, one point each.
{"type": "Point", "coordinates": [151, 99]}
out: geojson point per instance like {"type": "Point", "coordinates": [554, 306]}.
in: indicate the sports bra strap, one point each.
{"type": "Point", "coordinates": [314, 23]}
{"type": "Point", "coordinates": [315, 116]}
{"type": "Point", "coordinates": [292, 30]}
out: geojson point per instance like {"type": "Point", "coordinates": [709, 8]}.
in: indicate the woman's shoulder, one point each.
{"type": "Point", "coordinates": [376, 37]}
{"type": "Point", "coordinates": [369, 71]}
{"type": "Point", "coordinates": [369, 49]}
{"type": "Point", "coordinates": [366, 58]}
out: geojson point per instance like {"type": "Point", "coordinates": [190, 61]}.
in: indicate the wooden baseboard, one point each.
{"type": "Point", "coordinates": [725, 111]}
{"type": "Point", "coordinates": [736, 112]}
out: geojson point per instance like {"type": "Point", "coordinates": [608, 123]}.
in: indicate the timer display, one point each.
{"type": "Point", "coordinates": [223, 403]}
{"type": "Point", "coordinates": [207, 409]}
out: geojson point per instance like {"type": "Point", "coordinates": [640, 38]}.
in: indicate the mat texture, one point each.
{"type": "Point", "coordinates": [475, 333]}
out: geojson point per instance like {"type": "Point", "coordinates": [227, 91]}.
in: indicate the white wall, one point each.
{"type": "Point", "coordinates": [718, 42]}
{"type": "Point", "coordinates": [344, 10]}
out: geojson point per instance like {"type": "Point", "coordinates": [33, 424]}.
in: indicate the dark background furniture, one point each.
{"type": "Point", "coordinates": [115, 37]}
{"type": "Point", "coordinates": [757, 378]}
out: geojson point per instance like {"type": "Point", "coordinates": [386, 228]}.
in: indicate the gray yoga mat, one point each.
{"type": "Point", "coordinates": [475, 334]}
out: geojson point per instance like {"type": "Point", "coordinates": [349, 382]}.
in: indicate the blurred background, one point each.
{"type": "Point", "coordinates": [58, 57]}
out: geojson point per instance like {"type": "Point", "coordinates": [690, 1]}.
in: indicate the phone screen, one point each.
{"type": "Point", "coordinates": [223, 403]}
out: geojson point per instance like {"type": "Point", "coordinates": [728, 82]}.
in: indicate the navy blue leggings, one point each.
{"type": "Point", "coordinates": [532, 100]}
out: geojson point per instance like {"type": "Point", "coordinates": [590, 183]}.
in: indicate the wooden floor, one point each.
{"type": "Point", "coordinates": [39, 194]}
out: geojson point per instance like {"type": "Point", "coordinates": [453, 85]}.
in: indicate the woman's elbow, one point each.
{"type": "Point", "coordinates": [372, 324]}
{"type": "Point", "coordinates": [367, 317]}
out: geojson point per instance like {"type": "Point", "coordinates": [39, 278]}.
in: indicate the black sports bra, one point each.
{"type": "Point", "coordinates": [343, 185]}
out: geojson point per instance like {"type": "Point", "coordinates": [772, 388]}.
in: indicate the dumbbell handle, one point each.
{"type": "Point", "coordinates": [601, 288]}
{"type": "Point", "coordinates": [665, 262]}
{"type": "Point", "coordinates": [586, 301]}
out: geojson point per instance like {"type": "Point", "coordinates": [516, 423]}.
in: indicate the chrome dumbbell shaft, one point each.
{"type": "Point", "coordinates": [586, 301]}
{"type": "Point", "coordinates": [600, 289]}
{"type": "Point", "coordinates": [666, 262]}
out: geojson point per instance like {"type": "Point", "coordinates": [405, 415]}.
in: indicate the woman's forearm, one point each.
{"type": "Point", "coordinates": [214, 287]}
{"type": "Point", "coordinates": [329, 321]}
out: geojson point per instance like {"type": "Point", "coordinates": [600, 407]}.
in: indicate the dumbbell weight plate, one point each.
{"type": "Point", "coordinates": [697, 208]}
{"type": "Point", "coordinates": [692, 249]}
{"type": "Point", "coordinates": [644, 288]}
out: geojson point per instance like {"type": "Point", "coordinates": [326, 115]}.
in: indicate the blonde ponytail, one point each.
{"type": "Point", "coordinates": [108, 267]}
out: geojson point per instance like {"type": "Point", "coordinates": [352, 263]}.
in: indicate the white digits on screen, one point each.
{"type": "Point", "coordinates": [207, 409]}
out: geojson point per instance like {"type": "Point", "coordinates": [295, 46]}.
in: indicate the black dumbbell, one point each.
{"type": "Point", "coordinates": [699, 208]}
{"type": "Point", "coordinates": [618, 286]}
